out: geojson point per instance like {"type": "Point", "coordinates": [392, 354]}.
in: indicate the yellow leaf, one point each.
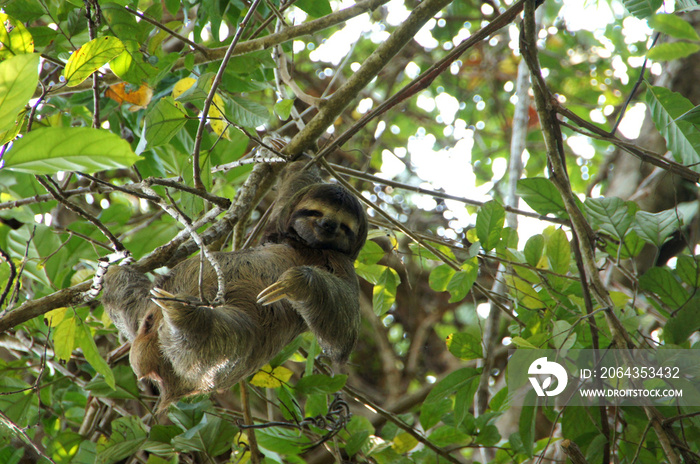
{"type": "Point", "coordinates": [271, 378]}
{"type": "Point", "coordinates": [182, 85]}
{"type": "Point", "coordinates": [403, 443]}
{"type": "Point", "coordinates": [56, 316]}
{"type": "Point", "coordinates": [217, 121]}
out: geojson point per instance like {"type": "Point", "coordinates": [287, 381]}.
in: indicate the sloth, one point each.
{"type": "Point", "coordinates": [300, 278]}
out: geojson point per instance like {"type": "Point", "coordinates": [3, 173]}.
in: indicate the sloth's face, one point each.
{"type": "Point", "coordinates": [325, 226]}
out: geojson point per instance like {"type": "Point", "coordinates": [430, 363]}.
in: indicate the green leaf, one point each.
{"type": "Point", "coordinates": [522, 343]}
{"type": "Point", "coordinates": [126, 386]}
{"type": "Point", "coordinates": [488, 436]}
{"type": "Point", "coordinates": [86, 342]}
{"type": "Point", "coordinates": [686, 321]}
{"type": "Point", "coordinates": [542, 196]}
{"type": "Point", "coordinates": [558, 252]}
{"type": "Point", "coordinates": [51, 149]}
{"type": "Point", "coordinates": [461, 282]}
{"type": "Point", "coordinates": [655, 228]}
{"type": "Point", "coordinates": [688, 269]}
{"type": "Point", "coordinates": [283, 108]}
{"type": "Point", "coordinates": [672, 51]}
{"type": "Point", "coordinates": [64, 337]}
{"type": "Point", "coordinates": [246, 112]}
{"type": "Point", "coordinates": [19, 77]}
{"type": "Point", "coordinates": [123, 24]}
{"type": "Point", "coordinates": [451, 384]}
{"type": "Point", "coordinates": [524, 292]}
{"type": "Point", "coordinates": [173, 6]}
{"type": "Point", "coordinates": [691, 116]}
{"type": "Point", "coordinates": [609, 215]}
{"type": "Point", "coordinates": [281, 440]}
{"type": "Point", "coordinates": [562, 335]}
{"type": "Point", "coordinates": [359, 430]}
{"type": "Point", "coordinates": [509, 239]}
{"type": "Point", "coordinates": [370, 253]}
{"type": "Point", "coordinates": [526, 428]}
{"type": "Point", "coordinates": [447, 435]}
{"type": "Point", "coordinates": [128, 434]}
{"type": "Point", "coordinates": [42, 35]}
{"type": "Point", "coordinates": [440, 277]}
{"type": "Point", "coordinates": [432, 413]}
{"type": "Point", "coordinates": [162, 122]}
{"type": "Point", "coordinates": [660, 281]}
{"type": "Point", "coordinates": [197, 93]}
{"type": "Point", "coordinates": [682, 137]}
{"type": "Point", "coordinates": [489, 223]}
{"type": "Point", "coordinates": [314, 8]}
{"type": "Point", "coordinates": [317, 383]}
{"type": "Point", "coordinates": [17, 41]}
{"type": "Point", "coordinates": [91, 57]}
{"type": "Point", "coordinates": [533, 249]}
{"type": "Point", "coordinates": [631, 246]}
{"type": "Point", "coordinates": [465, 346]}
{"type": "Point", "coordinates": [384, 291]}
{"type": "Point", "coordinates": [211, 435]}
{"type": "Point", "coordinates": [674, 26]}
{"type": "Point", "coordinates": [687, 5]}
{"type": "Point", "coordinates": [642, 8]}
{"type": "Point", "coordinates": [369, 272]}
{"type": "Point", "coordinates": [131, 67]}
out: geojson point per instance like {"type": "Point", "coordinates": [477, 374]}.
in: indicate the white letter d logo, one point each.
{"type": "Point", "coordinates": [543, 367]}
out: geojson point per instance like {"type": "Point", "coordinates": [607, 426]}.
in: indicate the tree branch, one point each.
{"type": "Point", "coordinates": [586, 248]}
{"type": "Point", "coordinates": [210, 96]}
{"type": "Point", "coordinates": [341, 98]}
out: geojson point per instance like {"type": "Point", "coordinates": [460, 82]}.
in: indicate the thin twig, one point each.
{"type": "Point", "coordinates": [43, 198]}
{"type": "Point", "coordinates": [255, 454]}
{"type": "Point", "coordinates": [19, 431]}
{"type": "Point", "coordinates": [92, 20]}
{"type": "Point", "coordinates": [641, 443]}
{"type": "Point", "coordinates": [645, 155]}
{"type": "Point", "coordinates": [32, 113]}
{"type": "Point", "coordinates": [221, 202]}
{"type": "Point", "coordinates": [368, 177]}
{"type": "Point", "coordinates": [400, 424]}
{"type": "Point", "coordinates": [182, 219]}
{"type": "Point", "coordinates": [633, 92]}
{"type": "Point", "coordinates": [11, 278]}
{"type": "Point", "coordinates": [210, 97]}
{"type": "Point", "coordinates": [203, 50]}
{"type": "Point", "coordinates": [58, 195]}
{"type": "Point", "coordinates": [244, 162]}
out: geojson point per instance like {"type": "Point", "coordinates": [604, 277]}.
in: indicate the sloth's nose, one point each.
{"type": "Point", "coordinates": [329, 225]}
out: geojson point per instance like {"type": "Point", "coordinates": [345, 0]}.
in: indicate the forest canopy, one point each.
{"type": "Point", "coordinates": [529, 170]}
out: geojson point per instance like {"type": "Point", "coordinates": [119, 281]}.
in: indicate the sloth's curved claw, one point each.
{"type": "Point", "coordinates": [273, 293]}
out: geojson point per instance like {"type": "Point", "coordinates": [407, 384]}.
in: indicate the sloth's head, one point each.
{"type": "Point", "coordinates": [328, 217]}
{"type": "Point", "coordinates": [325, 217]}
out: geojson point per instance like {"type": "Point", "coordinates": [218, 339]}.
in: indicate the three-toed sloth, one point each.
{"type": "Point", "coordinates": [300, 278]}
